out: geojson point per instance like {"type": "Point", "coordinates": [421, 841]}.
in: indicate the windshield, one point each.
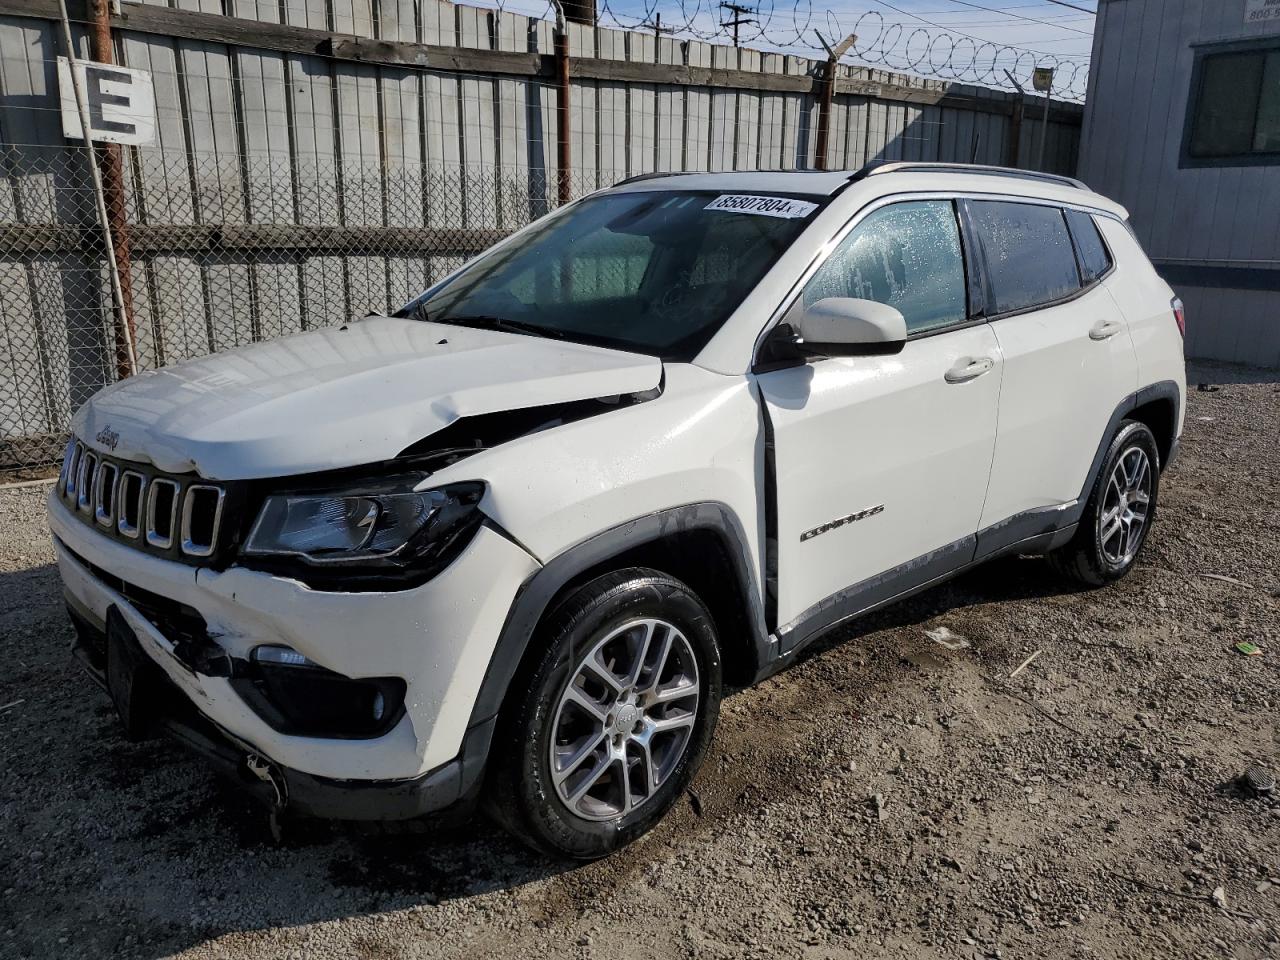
{"type": "Point", "coordinates": [651, 272]}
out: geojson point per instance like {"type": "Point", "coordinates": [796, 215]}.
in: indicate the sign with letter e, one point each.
{"type": "Point", "coordinates": [121, 102]}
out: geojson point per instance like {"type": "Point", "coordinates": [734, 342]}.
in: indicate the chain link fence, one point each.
{"type": "Point", "coordinates": [223, 250]}
{"type": "Point", "coordinates": [301, 175]}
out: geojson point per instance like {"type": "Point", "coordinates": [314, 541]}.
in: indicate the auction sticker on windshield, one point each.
{"type": "Point", "coordinates": [783, 207]}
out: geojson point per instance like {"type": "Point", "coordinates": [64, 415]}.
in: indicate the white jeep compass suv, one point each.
{"type": "Point", "coordinates": [511, 543]}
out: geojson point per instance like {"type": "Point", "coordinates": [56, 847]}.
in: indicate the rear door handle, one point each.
{"type": "Point", "coordinates": [1104, 329]}
{"type": "Point", "coordinates": [968, 368]}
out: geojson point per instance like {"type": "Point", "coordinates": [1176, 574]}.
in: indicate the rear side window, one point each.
{"type": "Point", "coordinates": [1027, 251]}
{"type": "Point", "coordinates": [1094, 259]}
{"type": "Point", "coordinates": [907, 255]}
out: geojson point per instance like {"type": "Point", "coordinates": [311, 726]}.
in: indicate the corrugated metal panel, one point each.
{"type": "Point", "coordinates": [257, 138]}
{"type": "Point", "coordinates": [1134, 123]}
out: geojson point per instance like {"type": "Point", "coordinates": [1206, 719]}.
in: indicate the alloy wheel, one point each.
{"type": "Point", "coordinates": [1126, 505]}
{"type": "Point", "coordinates": [625, 719]}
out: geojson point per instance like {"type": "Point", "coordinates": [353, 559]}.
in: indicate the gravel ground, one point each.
{"type": "Point", "coordinates": [886, 797]}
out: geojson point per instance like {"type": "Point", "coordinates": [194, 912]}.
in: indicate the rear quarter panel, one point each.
{"type": "Point", "coordinates": [1144, 299]}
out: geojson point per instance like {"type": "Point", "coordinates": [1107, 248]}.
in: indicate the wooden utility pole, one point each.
{"type": "Point", "coordinates": [580, 11]}
{"type": "Point", "coordinates": [739, 17]}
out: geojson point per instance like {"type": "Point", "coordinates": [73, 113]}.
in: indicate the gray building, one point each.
{"type": "Point", "coordinates": [1182, 126]}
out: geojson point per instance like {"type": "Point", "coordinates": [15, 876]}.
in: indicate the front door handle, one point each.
{"type": "Point", "coordinates": [1104, 329]}
{"type": "Point", "coordinates": [968, 368]}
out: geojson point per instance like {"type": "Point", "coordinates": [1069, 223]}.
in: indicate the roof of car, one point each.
{"type": "Point", "coordinates": [823, 183]}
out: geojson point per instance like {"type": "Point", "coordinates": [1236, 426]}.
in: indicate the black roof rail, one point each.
{"type": "Point", "coordinates": [978, 169]}
{"type": "Point", "coordinates": [639, 177]}
{"type": "Point", "coordinates": [657, 175]}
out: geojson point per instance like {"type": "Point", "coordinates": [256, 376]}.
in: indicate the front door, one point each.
{"type": "Point", "coordinates": [881, 462]}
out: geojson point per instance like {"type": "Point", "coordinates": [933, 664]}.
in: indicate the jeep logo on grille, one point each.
{"type": "Point", "coordinates": [108, 438]}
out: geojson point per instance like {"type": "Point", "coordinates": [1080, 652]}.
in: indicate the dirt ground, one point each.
{"type": "Point", "coordinates": [1084, 808]}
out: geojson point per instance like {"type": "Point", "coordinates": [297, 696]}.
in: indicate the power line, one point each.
{"type": "Point", "coordinates": [1017, 16]}
{"type": "Point", "coordinates": [1063, 3]}
{"type": "Point", "coordinates": [941, 26]}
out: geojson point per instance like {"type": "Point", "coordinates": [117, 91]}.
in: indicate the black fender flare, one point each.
{"type": "Point", "coordinates": [536, 594]}
{"type": "Point", "coordinates": [1161, 390]}
{"type": "Point", "coordinates": [1038, 527]}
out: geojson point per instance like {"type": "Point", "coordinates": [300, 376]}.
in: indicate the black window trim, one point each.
{"type": "Point", "coordinates": [1203, 51]}
{"type": "Point", "coordinates": [968, 261]}
{"type": "Point", "coordinates": [1062, 209]}
{"type": "Point", "coordinates": [960, 200]}
{"type": "Point", "coordinates": [1075, 245]}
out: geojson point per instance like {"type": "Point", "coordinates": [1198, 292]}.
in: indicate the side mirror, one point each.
{"type": "Point", "coordinates": [845, 326]}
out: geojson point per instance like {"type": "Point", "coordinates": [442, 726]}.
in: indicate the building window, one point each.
{"type": "Point", "coordinates": [1233, 118]}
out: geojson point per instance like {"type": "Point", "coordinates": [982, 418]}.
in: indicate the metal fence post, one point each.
{"type": "Point", "coordinates": [565, 193]}
{"type": "Point", "coordinates": [826, 94]}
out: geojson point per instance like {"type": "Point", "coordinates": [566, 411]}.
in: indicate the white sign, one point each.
{"type": "Point", "coordinates": [121, 102]}
{"type": "Point", "coordinates": [783, 207]}
{"type": "Point", "coordinates": [1261, 11]}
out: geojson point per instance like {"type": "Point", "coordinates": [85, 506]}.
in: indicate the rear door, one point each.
{"type": "Point", "coordinates": [1068, 357]}
{"type": "Point", "coordinates": [882, 461]}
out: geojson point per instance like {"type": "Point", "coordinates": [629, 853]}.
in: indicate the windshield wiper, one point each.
{"type": "Point", "coordinates": [481, 321]}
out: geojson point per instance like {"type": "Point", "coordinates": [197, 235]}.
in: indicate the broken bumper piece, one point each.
{"type": "Point", "coordinates": [149, 702]}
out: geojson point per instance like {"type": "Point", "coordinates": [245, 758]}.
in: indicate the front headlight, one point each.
{"type": "Point", "coordinates": [368, 528]}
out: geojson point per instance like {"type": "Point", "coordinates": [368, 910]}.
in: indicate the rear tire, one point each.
{"type": "Point", "coordinates": [606, 727]}
{"type": "Point", "coordinates": [1119, 512]}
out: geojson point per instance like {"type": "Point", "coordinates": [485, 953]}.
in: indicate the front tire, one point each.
{"type": "Point", "coordinates": [611, 721]}
{"type": "Point", "coordinates": [1119, 512]}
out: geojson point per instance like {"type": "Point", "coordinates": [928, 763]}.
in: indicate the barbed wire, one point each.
{"type": "Point", "coordinates": [916, 45]}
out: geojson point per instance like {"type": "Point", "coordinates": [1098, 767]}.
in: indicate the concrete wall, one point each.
{"type": "Point", "coordinates": [1214, 232]}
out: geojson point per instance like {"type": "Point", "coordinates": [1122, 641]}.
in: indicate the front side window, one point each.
{"type": "Point", "coordinates": [907, 255]}
{"type": "Point", "coordinates": [1234, 116]}
{"type": "Point", "coordinates": [1094, 258]}
{"type": "Point", "coordinates": [1027, 253]}
{"type": "Point", "coordinates": [653, 272]}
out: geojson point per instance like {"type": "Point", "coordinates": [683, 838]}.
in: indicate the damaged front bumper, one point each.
{"type": "Point", "coordinates": [451, 786]}
{"type": "Point", "coordinates": [437, 638]}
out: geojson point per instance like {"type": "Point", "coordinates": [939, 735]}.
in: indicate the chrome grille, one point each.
{"type": "Point", "coordinates": [174, 515]}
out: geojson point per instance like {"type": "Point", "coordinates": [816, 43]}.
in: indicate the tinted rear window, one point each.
{"type": "Point", "coordinates": [1094, 259]}
{"type": "Point", "coordinates": [1028, 253]}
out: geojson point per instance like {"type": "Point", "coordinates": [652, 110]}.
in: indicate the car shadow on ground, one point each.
{"type": "Point", "coordinates": [996, 581]}
{"type": "Point", "coordinates": [150, 853]}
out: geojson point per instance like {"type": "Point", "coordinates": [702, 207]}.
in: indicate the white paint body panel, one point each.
{"type": "Point", "coordinates": [1060, 388]}
{"type": "Point", "coordinates": [856, 433]}
{"type": "Point", "coordinates": [342, 396]}
{"type": "Point", "coordinates": [1145, 299]}
{"type": "Point", "coordinates": [700, 441]}
{"type": "Point", "coordinates": [438, 637]}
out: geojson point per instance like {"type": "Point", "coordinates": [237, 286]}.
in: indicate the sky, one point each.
{"type": "Point", "coordinates": [967, 40]}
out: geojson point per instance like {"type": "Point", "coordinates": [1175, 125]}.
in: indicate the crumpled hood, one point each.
{"type": "Point", "coordinates": [341, 397]}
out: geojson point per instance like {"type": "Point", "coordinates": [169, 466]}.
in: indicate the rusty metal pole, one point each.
{"type": "Point", "coordinates": [562, 111]}
{"type": "Point", "coordinates": [112, 169]}
{"type": "Point", "coordinates": [1013, 146]}
{"type": "Point", "coordinates": [122, 327]}
{"type": "Point", "coordinates": [826, 93]}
